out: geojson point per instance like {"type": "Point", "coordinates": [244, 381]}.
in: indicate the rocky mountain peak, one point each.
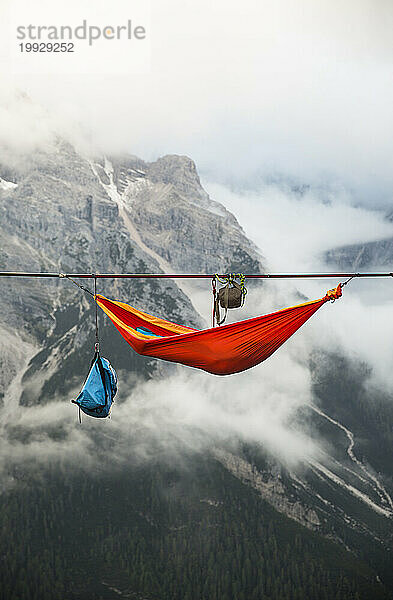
{"type": "Point", "coordinates": [181, 172]}
{"type": "Point", "coordinates": [177, 170]}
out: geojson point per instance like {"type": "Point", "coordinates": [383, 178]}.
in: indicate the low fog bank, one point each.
{"type": "Point", "coordinates": [295, 230]}
{"type": "Point", "coordinates": [190, 410]}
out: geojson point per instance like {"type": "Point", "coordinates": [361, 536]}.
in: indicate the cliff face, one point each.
{"type": "Point", "coordinates": [176, 219]}
{"type": "Point", "coordinates": [63, 212]}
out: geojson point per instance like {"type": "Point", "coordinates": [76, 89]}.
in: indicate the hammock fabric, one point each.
{"type": "Point", "coordinates": [221, 350]}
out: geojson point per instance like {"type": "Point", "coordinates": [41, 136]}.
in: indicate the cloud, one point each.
{"type": "Point", "coordinates": [294, 232]}
{"type": "Point", "coordinates": [189, 409]}
{"type": "Point", "coordinates": [199, 410]}
{"type": "Point", "coordinates": [23, 124]}
{"type": "Point", "coordinates": [301, 89]}
{"type": "Point", "coordinates": [26, 125]}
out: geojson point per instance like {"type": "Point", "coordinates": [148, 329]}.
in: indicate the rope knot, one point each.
{"type": "Point", "coordinates": [335, 293]}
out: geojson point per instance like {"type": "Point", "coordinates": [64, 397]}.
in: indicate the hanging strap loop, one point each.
{"type": "Point", "coordinates": [214, 290]}
{"type": "Point", "coordinates": [97, 342]}
{"type": "Point", "coordinates": [216, 301]}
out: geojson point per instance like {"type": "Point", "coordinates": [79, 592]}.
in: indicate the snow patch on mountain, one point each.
{"type": "Point", "coordinates": [376, 484]}
{"type": "Point", "coordinates": [321, 470]}
{"type": "Point", "coordinates": [7, 185]}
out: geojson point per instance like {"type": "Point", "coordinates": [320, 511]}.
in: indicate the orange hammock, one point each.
{"type": "Point", "coordinates": [221, 350]}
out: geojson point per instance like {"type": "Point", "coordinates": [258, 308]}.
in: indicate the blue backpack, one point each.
{"type": "Point", "coordinates": [100, 387]}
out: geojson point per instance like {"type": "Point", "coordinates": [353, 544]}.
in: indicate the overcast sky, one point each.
{"type": "Point", "coordinates": [300, 88]}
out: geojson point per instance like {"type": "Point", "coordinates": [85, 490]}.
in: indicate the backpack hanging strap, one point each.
{"type": "Point", "coordinates": [220, 320]}
{"type": "Point", "coordinates": [97, 345]}
{"type": "Point", "coordinates": [217, 320]}
{"type": "Point", "coordinates": [214, 290]}
{"type": "Point", "coordinates": [97, 342]}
